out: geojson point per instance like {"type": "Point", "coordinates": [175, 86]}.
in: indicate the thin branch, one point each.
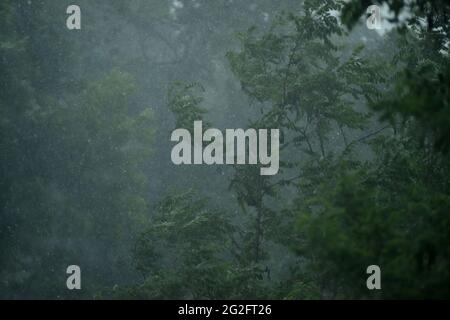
{"type": "Point", "coordinates": [366, 137]}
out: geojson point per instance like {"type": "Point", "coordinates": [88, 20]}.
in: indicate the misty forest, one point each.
{"type": "Point", "coordinates": [86, 176]}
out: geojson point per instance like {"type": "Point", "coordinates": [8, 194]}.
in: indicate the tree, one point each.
{"type": "Point", "coordinates": [71, 162]}
{"type": "Point", "coordinates": [185, 252]}
{"type": "Point", "coordinates": [296, 77]}
{"type": "Point", "coordinates": [392, 211]}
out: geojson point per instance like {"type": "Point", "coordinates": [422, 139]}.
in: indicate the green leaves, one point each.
{"type": "Point", "coordinates": [184, 102]}
{"type": "Point", "coordinates": [353, 207]}
{"type": "Point", "coordinates": [185, 252]}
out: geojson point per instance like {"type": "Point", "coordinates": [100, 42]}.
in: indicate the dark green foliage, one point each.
{"type": "Point", "coordinates": [186, 253]}
{"type": "Point", "coordinates": [184, 102]}
{"type": "Point", "coordinates": [72, 184]}
{"type": "Point", "coordinates": [349, 212]}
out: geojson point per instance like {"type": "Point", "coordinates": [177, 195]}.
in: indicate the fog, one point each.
{"type": "Point", "coordinates": [88, 179]}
